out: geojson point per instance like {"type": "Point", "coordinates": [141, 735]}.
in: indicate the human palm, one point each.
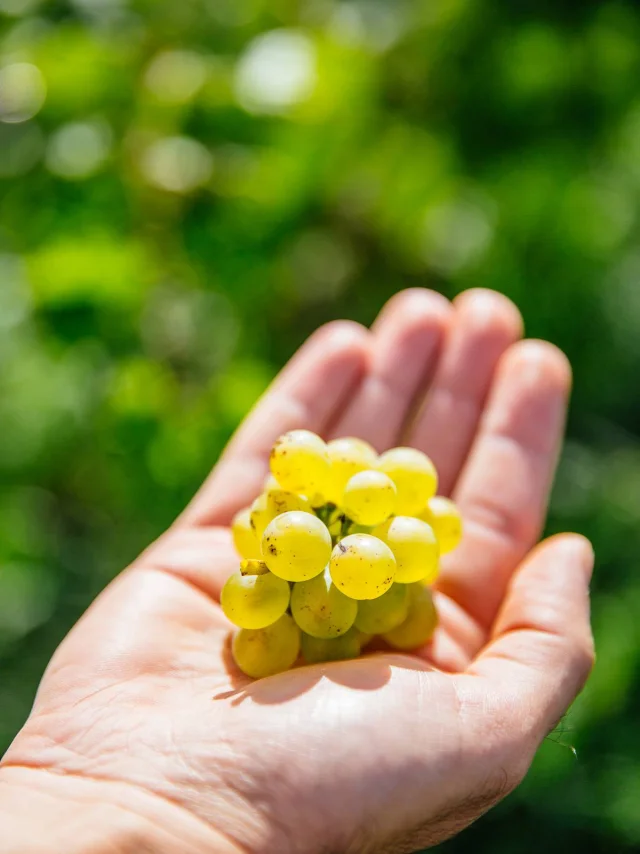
{"type": "Point", "coordinates": [143, 707]}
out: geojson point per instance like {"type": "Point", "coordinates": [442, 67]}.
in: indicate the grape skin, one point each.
{"type": "Point", "coordinates": [320, 609]}
{"type": "Point", "coordinates": [414, 546]}
{"type": "Point", "coordinates": [370, 497]}
{"type": "Point", "coordinates": [296, 546]}
{"type": "Point", "coordinates": [273, 503]}
{"type": "Point", "coordinates": [244, 539]}
{"type": "Point", "coordinates": [348, 456]}
{"type": "Point", "coordinates": [264, 652]}
{"type": "Point", "coordinates": [318, 650]}
{"type": "Point", "coordinates": [421, 621]}
{"type": "Point", "coordinates": [414, 475]}
{"type": "Point", "coordinates": [383, 614]}
{"type": "Point", "coordinates": [362, 566]}
{"type": "Point", "coordinates": [300, 463]}
{"type": "Point", "coordinates": [445, 519]}
{"type": "Point", "coordinates": [254, 601]}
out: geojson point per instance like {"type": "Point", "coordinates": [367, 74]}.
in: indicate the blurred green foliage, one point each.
{"type": "Point", "coordinates": [189, 187]}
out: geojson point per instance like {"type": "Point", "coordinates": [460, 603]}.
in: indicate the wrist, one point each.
{"type": "Point", "coordinates": [44, 813]}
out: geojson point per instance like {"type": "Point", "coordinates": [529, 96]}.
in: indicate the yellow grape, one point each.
{"type": "Point", "coordinates": [420, 623]}
{"type": "Point", "coordinates": [259, 515]}
{"type": "Point", "coordinates": [369, 497]}
{"type": "Point", "coordinates": [296, 546]}
{"type": "Point", "coordinates": [414, 475]}
{"type": "Point", "coordinates": [271, 504]}
{"type": "Point", "coordinates": [414, 546]}
{"type": "Point", "coordinates": [254, 600]}
{"type": "Point", "coordinates": [380, 615]}
{"type": "Point", "coordinates": [300, 463]}
{"type": "Point", "coordinates": [362, 566]}
{"type": "Point", "coordinates": [348, 456]}
{"type": "Point", "coordinates": [270, 483]}
{"type": "Point", "coordinates": [244, 538]}
{"type": "Point", "coordinates": [445, 519]}
{"type": "Point", "coordinates": [263, 652]}
{"type": "Point", "coordinates": [320, 609]}
{"type": "Point", "coordinates": [316, 650]}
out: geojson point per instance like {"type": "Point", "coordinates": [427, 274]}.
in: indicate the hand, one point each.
{"type": "Point", "coordinates": [142, 710]}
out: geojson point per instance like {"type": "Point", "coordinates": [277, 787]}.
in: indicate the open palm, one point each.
{"type": "Point", "coordinates": [143, 709]}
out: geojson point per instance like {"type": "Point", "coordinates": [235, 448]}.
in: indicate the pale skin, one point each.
{"type": "Point", "coordinates": [145, 738]}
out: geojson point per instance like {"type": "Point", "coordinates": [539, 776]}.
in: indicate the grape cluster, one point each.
{"type": "Point", "coordinates": [342, 545]}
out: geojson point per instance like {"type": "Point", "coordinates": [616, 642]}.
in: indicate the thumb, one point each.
{"type": "Point", "coordinates": [541, 651]}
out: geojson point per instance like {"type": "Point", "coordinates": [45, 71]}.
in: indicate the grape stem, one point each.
{"type": "Point", "coordinates": [253, 567]}
{"type": "Point", "coordinates": [324, 512]}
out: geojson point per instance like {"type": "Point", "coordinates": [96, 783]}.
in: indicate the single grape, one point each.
{"type": "Point", "coordinates": [362, 566]}
{"type": "Point", "coordinates": [300, 463]}
{"type": "Point", "coordinates": [263, 652]}
{"type": "Point", "coordinates": [414, 475]}
{"type": "Point", "coordinates": [270, 483]}
{"type": "Point", "coordinates": [253, 601]}
{"type": "Point", "coordinates": [348, 457]}
{"type": "Point", "coordinates": [316, 650]}
{"type": "Point", "coordinates": [244, 538]}
{"type": "Point", "coordinates": [320, 609]}
{"type": "Point", "coordinates": [365, 640]}
{"type": "Point", "coordinates": [296, 546]}
{"type": "Point", "coordinates": [380, 615]}
{"type": "Point", "coordinates": [369, 497]}
{"type": "Point", "coordinates": [273, 503]}
{"type": "Point", "coordinates": [259, 516]}
{"type": "Point", "coordinates": [445, 519]}
{"type": "Point", "coordinates": [414, 546]}
{"type": "Point", "coordinates": [420, 623]}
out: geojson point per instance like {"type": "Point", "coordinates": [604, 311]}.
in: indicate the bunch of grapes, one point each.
{"type": "Point", "coordinates": [341, 546]}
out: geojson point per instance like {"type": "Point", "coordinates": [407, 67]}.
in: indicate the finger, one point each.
{"type": "Point", "coordinates": [542, 648]}
{"type": "Point", "coordinates": [504, 488]}
{"type": "Point", "coordinates": [457, 638]}
{"type": "Point", "coordinates": [484, 324]}
{"type": "Point", "coordinates": [311, 390]}
{"type": "Point", "coordinates": [407, 337]}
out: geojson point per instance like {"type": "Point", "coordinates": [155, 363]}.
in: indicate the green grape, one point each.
{"type": "Point", "coordinates": [348, 457]}
{"type": "Point", "coordinates": [421, 621]}
{"type": "Point", "coordinates": [320, 609]}
{"type": "Point", "coordinates": [263, 652]}
{"type": "Point", "coordinates": [296, 546]}
{"type": "Point", "coordinates": [380, 615]}
{"type": "Point", "coordinates": [273, 503]}
{"type": "Point", "coordinates": [445, 519]}
{"type": "Point", "coordinates": [362, 566]}
{"type": "Point", "coordinates": [414, 546]}
{"type": "Point", "coordinates": [365, 639]}
{"type": "Point", "coordinates": [414, 475]}
{"type": "Point", "coordinates": [369, 497]}
{"type": "Point", "coordinates": [300, 463]}
{"type": "Point", "coordinates": [317, 650]}
{"type": "Point", "coordinates": [244, 538]}
{"type": "Point", "coordinates": [253, 598]}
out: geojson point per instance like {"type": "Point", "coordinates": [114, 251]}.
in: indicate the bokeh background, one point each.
{"type": "Point", "coordinates": [189, 187]}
